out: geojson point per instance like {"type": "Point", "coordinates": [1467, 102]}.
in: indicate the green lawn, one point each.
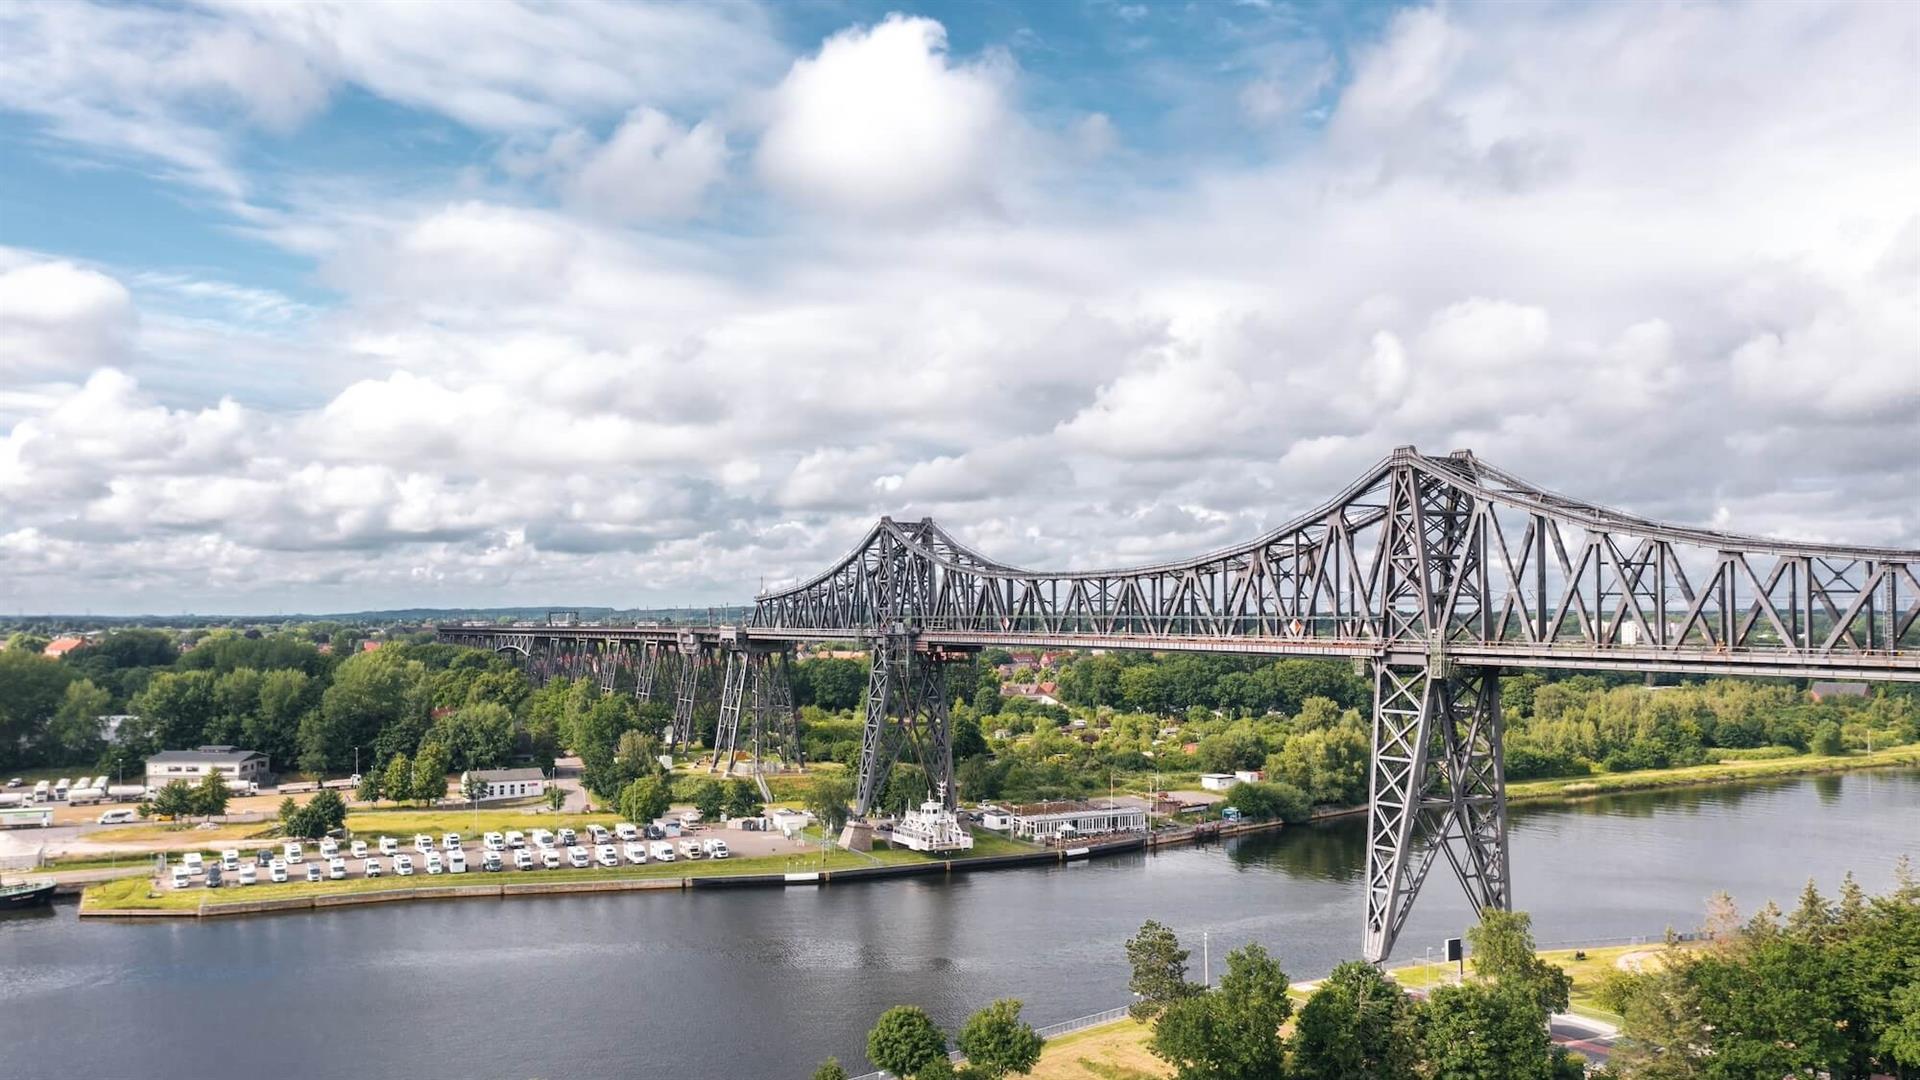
{"type": "Point", "coordinates": [1640, 779]}
{"type": "Point", "coordinates": [1587, 973]}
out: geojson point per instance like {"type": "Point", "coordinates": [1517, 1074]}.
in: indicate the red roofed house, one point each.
{"type": "Point", "coordinates": [65, 644]}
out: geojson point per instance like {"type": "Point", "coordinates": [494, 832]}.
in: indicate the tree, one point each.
{"type": "Point", "coordinates": [1826, 740]}
{"type": "Point", "coordinates": [997, 1042]}
{"type": "Point", "coordinates": [474, 789]}
{"type": "Point", "coordinates": [329, 808]}
{"type": "Point", "coordinates": [644, 800]}
{"type": "Point", "coordinates": [397, 782]}
{"type": "Point", "coordinates": [372, 784]}
{"type": "Point", "coordinates": [1232, 1033]}
{"type": "Point", "coordinates": [556, 797]}
{"type": "Point", "coordinates": [74, 733]}
{"type": "Point", "coordinates": [1159, 970]}
{"type": "Point", "coordinates": [1502, 949]}
{"type": "Point", "coordinates": [430, 773]}
{"type": "Point", "coordinates": [175, 800]}
{"type": "Point", "coordinates": [1269, 801]}
{"type": "Point", "coordinates": [710, 799]}
{"type": "Point", "coordinates": [743, 799]}
{"type": "Point", "coordinates": [210, 795]}
{"type": "Point", "coordinates": [827, 801]}
{"type": "Point", "coordinates": [1359, 1025]}
{"type": "Point", "coordinates": [904, 1040]}
{"type": "Point", "coordinates": [830, 1070]}
{"type": "Point", "coordinates": [477, 736]}
{"type": "Point", "coordinates": [1484, 1031]}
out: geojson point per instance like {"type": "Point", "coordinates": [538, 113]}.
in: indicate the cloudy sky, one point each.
{"type": "Point", "coordinates": [350, 305]}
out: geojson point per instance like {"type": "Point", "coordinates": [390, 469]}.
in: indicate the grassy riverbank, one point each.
{"type": "Point", "coordinates": [1717, 773]}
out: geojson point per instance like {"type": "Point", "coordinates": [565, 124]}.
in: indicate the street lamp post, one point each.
{"type": "Point", "coordinates": [1206, 960]}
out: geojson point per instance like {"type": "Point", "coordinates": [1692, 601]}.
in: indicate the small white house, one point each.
{"type": "Point", "coordinates": [1249, 776]}
{"type": "Point", "coordinates": [999, 819]}
{"type": "Point", "coordinates": [238, 766]}
{"type": "Point", "coordinates": [1216, 781]}
{"type": "Point", "coordinates": [503, 784]}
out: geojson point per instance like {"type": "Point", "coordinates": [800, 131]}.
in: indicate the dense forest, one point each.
{"type": "Point", "coordinates": [320, 698]}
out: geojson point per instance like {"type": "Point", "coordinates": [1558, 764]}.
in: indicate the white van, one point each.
{"type": "Point", "coordinates": [522, 859]}
{"type": "Point", "coordinates": [542, 838]}
{"type": "Point", "coordinates": [181, 878]}
{"type": "Point", "coordinates": [457, 861]}
{"type": "Point", "coordinates": [550, 858]}
{"type": "Point", "coordinates": [605, 855]}
{"type": "Point", "coordinates": [403, 864]}
{"type": "Point", "coordinates": [716, 848]}
{"type": "Point", "coordinates": [422, 843]}
{"type": "Point", "coordinates": [690, 849]}
{"type": "Point", "coordinates": [372, 869]}
{"type": "Point", "coordinates": [230, 860]}
{"type": "Point", "coordinates": [389, 846]}
{"type": "Point", "coordinates": [291, 852]}
{"type": "Point", "coordinates": [329, 847]}
{"type": "Point", "coordinates": [117, 817]}
{"type": "Point", "coordinates": [434, 865]}
{"type": "Point", "coordinates": [661, 850]}
{"type": "Point", "coordinates": [248, 874]}
{"type": "Point", "coordinates": [636, 852]}
{"type": "Point", "coordinates": [358, 849]}
{"type": "Point", "coordinates": [627, 830]}
{"type": "Point", "coordinates": [277, 870]}
{"type": "Point", "coordinates": [336, 868]}
{"type": "Point", "coordinates": [515, 840]}
{"type": "Point", "coordinates": [195, 863]}
{"type": "Point", "coordinates": [599, 834]}
{"type": "Point", "coordinates": [493, 841]}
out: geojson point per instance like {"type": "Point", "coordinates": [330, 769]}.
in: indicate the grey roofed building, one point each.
{"type": "Point", "coordinates": [234, 763]}
{"type": "Point", "coordinates": [1821, 691]}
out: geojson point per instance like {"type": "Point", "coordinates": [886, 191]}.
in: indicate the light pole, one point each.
{"type": "Point", "coordinates": [1206, 960]}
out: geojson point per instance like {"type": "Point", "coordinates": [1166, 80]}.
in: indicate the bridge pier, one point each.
{"type": "Point", "coordinates": [757, 683]}
{"type": "Point", "coordinates": [1438, 785]}
{"type": "Point", "coordinates": [906, 706]}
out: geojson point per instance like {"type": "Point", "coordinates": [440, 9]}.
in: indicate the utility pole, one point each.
{"type": "Point", "coordinates": [1206, 960]}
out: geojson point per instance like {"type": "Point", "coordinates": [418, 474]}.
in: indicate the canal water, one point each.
{"type": "Point", "coordinates": [749, 984]}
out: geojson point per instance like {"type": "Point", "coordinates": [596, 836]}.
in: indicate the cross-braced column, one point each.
{"type": "Point", "coordinates": [726, 731]}
{"type": "Point", "coordinates": [686, 693]}
{"type": "Point", "coordinates": [1438, 785]}
{"type": "Point", "coordinates": [646, 667]}
{"type": "Point", "coordinates": [875, 737]}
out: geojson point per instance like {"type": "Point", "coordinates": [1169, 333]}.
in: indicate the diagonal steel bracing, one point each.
{"type": "Point", "coordinates": [1437, 788]}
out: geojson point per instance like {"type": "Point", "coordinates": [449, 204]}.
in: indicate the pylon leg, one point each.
{"type": "Point", "coordinates": [874, 740]}
{"type": "Point", "coordinates": [1438, 784]}
{"type": "Point", "coordinates": [726, 732]}
{"type": "Point", "coordinates": [686, 693]}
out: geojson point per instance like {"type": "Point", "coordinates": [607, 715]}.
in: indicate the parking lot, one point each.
{"type": "Point", "coordinates": [741, 844]}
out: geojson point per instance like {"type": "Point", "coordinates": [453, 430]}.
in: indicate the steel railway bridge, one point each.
{"type": "Point", "coordinates": [1437, 574]}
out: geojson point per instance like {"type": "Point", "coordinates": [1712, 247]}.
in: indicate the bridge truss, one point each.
{"type": "Point", "coordinates": [1439, 573]}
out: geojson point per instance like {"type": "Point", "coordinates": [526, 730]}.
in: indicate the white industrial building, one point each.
{"type": "Point", "coordinates": [507, 783]}
{"type": "Point", "coordinates": [238, 766]}
{"type": "Point", "coordinates": [1055, 821]}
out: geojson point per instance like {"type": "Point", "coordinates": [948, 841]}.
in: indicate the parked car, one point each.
{"type": "Point", "coordinates": [277, 871]}
{"type": "Point", "coordinates": [627, 830]}
{"type": "Point", "coordinates": [523, 859]}
{"type": "Point", "coordinates": [358, 849]}
{"type": "Point", "coordinates": [690, 849]}
{"type": "Point", "coordinates": [264, 857]}
{"type": "Point", "coordinates": [515, 840]}
{"type": "Point", "coordinates": [450, 842]}
{"type": "Point", "coordinates": [336, 868]}
{"type": "Point", "coordinates": [599, 834]}
{"type": "Point", "coordinates": [121, 816]}
{"type": "Point", "coordinates": [578, 858]}
{"type": "Point", "coordinates": [456, 861]}
{"type": "Point", "coordinates": [655, 832]}
{"type": "Point", "coordinates": [605, 855]}
{"type": "Point", "coordinates": [403, 864]}
{"type": "Point", "coordinates": [15, 782]}
{"type": "Point", "coordinates": [493, 841]}
{"type": "Point", "coordinates": [248, 874]}
{"type": "Point", "coordinates": [716, 848]}
{"type": "Point", "coordinates": [567, 837]}
{"type": "Point", "coordinates": [290, 851]}
{"type": "Point", "coordinates": [389, 846]}
{"type": "Point", "coordinates": [422, 843]}
{"type": "Point", "coordinates": [636, 852]}
{"type": "Point", "coordinates": [434, 863]}
{"type": "Point", "coordinates": [550, 858]}
{"type": "Point", "coordinates": [313, 871]}
{"type": "Point", "coordinates": [213, 875]}
{"type": "Point", "coordinates": [661, 851]}
{"type": "Point", "coordinates": [372, 869]}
